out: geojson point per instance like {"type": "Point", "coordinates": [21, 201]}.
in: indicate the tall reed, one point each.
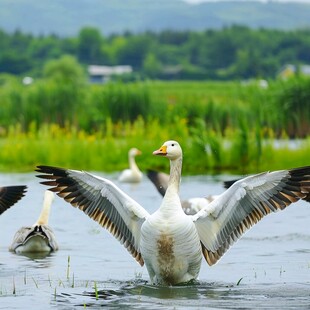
{"type": "Point", "coordinates": [221, 105]}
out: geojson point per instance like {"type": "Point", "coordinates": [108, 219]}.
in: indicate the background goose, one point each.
{"type": "Point", "coordinates": [38, 238]}
{"type": "Point", "coordinates": [133, 174]}
{"type": "Point", "coordinates": [169, 242]}
{"type": "Point", "coordinates": [9, 195]}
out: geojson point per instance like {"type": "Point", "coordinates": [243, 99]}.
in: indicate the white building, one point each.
{"type": "Point", "coordinates": [102, 74]}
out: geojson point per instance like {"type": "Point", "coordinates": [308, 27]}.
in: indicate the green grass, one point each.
{"type": "Point", "coordinates": [222, 126]}
{"type": "Point", "coordinates": [205, 150]}
{"type": "Point", "coordinates": [283, 107]}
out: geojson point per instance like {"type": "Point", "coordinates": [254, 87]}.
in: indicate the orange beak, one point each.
{"type": "Point", "coordinates": [161, 152]}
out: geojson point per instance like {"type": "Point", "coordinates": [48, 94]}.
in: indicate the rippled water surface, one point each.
{"type": "Point", "coordinates": [269, 267]}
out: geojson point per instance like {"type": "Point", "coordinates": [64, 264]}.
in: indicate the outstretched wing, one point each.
{"type": "Point", "coordinates": [102, 201]}
{"type": "Point", "coordinates": [9, 195]}
{"type": "Point", "coordinates": [229, 183]}
{"type": "Point", "coordinates": [245, 203]}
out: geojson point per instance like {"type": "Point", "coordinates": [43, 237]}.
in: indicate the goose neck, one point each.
{"type": "Point", "coordinates": [44, 215]}
{"type": "Point", "coordinates": [132, 163]}
{"type": "Point", "coordinates": [175, 174]}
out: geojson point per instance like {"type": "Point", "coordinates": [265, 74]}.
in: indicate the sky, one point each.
{"type": "Point", "coordinates": [199, 1]}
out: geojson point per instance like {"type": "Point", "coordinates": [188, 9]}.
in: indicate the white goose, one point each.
{"type": "Point", "coordinates": [9, 195]}
{"type": "Point", "coordinates": [38, 238]}
{"type": "Point", "coordinates": [133, 174]}
{"type": "Point", "coordinates": [169, 242]}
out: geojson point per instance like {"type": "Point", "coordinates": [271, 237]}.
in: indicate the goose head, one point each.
{"type": "Point", "coordinates": [134, 152]}
{"type": "Point", "coordinates": [170, 149]}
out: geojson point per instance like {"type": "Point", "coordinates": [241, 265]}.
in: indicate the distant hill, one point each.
{"type": "Point", "coordinates": [67, 17]}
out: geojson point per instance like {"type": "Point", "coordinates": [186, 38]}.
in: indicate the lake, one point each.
{"type": "Point", "coordinates": [268, 267]}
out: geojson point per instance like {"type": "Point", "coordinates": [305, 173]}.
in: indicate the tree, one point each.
{"type": "Point", "coordinates": [63, 91]}
{"type": "Point", "coordinates": [134, 51]}
{"type": "Point", "coordinates": [64, 70]}
{"type": "Point", "coordinates": [14, 63]}
{"type": "Point", "coordinates": [151, 66]}
{"type": "Point", "coordinates": [89, 46]}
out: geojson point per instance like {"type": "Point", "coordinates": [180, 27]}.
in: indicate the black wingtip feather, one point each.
{"type": "Point", "coordinates": [11, 195]}
{"type": "Point", "coordinates": [51, 170]}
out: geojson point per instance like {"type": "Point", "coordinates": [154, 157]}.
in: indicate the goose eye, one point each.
{"type": "Point", "coordinates": [172, 144]}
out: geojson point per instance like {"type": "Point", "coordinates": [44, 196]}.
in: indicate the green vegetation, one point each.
{"type": "Point", "coordinates": [223, 126]}
{"type": "Point", "coordinates": [205, 150]}
{"type": "Point", "coordinates": [63, 98]}
{"type": "Point", "coordinates": [230, 53]}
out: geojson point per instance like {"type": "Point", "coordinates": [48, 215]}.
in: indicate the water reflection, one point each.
{"type": "Point", "coordinates": [164, 292]}
{"type": "Point", "coordinates": [35, 255]}
{"type": "Point", "coordinates": [141, 290]}
{"type": "Point", "coordinates": [140, 295]}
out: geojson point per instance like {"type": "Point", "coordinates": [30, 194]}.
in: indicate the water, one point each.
{"type": "Point", "coordinates": [268, 267]}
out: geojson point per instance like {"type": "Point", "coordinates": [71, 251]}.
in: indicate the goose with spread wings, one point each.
{"type": "Point", "coordinates": [9, 195]}
{"type": "Point", "coordinates": [170, 243]}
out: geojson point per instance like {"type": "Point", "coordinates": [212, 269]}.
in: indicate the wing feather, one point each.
{"type": "Point", "coordinates": [102, 201]}
{"type": "Point", "coordinates": [9, 195]}
{"type": "Point", "coordinates": [244, 204]}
